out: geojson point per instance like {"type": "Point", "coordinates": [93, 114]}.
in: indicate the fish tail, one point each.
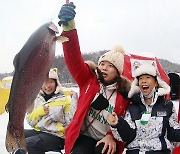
{"type": "Point", "coordinates": [13, 143]}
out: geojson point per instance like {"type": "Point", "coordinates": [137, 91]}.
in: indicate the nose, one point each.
{"type": "Point", "coordinates": [143, 80]}
{"type": "Point", "coordinates": [104, 67]}
{"type": "Point", "coordinates": [46, 86]}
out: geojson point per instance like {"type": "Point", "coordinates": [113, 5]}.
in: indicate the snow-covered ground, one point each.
{"type": "Point", "coordinates": [3, 126]}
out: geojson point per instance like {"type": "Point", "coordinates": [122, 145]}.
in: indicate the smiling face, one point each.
{"type": "Point", "coordinates": [147, 83]}
{"type": "Point", "coordinates": [49, 86]}
{"type": "Point", "coordinates": [109, 72]}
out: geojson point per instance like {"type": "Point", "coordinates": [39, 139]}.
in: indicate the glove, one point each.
{"type": "Point", "coordinates": [66, 16]}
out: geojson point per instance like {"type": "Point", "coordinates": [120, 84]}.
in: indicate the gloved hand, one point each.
{"type": "Point", "coordinates": [66, 16]}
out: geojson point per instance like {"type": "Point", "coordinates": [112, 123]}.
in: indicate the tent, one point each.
{"type": "Point", "coordinates": [5, 86]}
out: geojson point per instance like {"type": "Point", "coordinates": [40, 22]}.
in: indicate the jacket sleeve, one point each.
{"type": "Point", "coordinates": [74, 60]}
{"type": "Point", "coordinates": [125, 130]}
{"type": "Point", "coordinates": [67, 114]}
{"type": "Point", "coordinates": [35, 115]}
{"type": "Point", "coordinates": [174, 127]}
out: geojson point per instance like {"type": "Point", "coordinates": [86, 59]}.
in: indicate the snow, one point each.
{"type": "Point", "coordinates": [3, 126]}
{"type": "Point", "coordinates": [3, 122]}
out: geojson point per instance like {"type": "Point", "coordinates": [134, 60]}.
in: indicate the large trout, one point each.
{"type": "Point", "coordinates": [32, 64]}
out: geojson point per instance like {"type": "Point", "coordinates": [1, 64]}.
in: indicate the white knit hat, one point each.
{"type": "Point", "coordinates": [53, 74]}
{"type": "Point", "coordinates": [115, 57]}
{"type": "Point", "coordinates": [163, 87]}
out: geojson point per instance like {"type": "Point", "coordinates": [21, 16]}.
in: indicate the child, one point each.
{"type": "Point", "coordinates": [150, 124]}
{"type": "Point", "coordinates": [49, 117]}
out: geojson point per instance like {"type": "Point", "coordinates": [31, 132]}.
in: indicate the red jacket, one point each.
{"type": "Point", "coordinates": [88, 85]}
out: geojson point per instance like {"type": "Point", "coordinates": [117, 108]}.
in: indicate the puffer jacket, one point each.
{"type": "Point", "coordinates": [58, 118]}
{"type": "Point", "coordinates": [89, 87]}
{"type": "Point", "coordinates": [157, 135]}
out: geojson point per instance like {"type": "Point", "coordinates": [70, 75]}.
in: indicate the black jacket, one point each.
{"type": "Point", "coordinates": [161, 129]}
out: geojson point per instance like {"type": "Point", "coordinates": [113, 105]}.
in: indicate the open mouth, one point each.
{"type": "Point", "coordinates": [145, 87]}
{"type": "Point", "coordinates": [104, 74]}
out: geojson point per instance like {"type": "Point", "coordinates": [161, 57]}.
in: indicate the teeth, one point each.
{"type": "Point", "coordinates": [104, 74]}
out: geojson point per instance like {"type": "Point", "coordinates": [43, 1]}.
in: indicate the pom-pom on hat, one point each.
{"type": "Point", "coordinates": [53, 74]}
{"type": "Point", "coordinates": [115, 56]}
{"type": "Point", "coordinates": [163, 87]}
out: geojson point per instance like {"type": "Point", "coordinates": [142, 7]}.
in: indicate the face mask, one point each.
{"type": "Point", "coordinates": [100, 102]}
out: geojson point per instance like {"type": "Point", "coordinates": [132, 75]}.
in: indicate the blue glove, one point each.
{"type": "Point", "coordinates": [66, 14]}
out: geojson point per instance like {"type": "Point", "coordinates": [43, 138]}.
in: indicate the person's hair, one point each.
{"type": "Point", "coordinates": [122, 86]}
{"type": "Point", "coordinates": [56, 84]}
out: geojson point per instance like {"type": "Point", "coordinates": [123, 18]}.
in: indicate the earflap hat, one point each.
{"type": "Point", "coordinates": [163, 88]}
{"type": "Point", "coordinates": [115, 56]}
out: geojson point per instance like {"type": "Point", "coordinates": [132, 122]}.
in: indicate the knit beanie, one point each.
{"type": "Point", "coordinates": [115, 56]}
{"type": "Point", "coordinates": [163, 87]}
{"type": "Point", "coordinates": [53, 74]}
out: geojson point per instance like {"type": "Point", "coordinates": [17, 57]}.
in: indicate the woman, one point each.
{"type": "Point", "coordinates": [49, 117]}
{"type": "Point", "coordinates": [102, 91]}
{"type": "Point", "coordinates": [150, 124]}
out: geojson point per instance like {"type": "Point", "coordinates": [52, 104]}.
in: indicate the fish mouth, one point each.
{"type": "Point", "coordinates": [53, 27]}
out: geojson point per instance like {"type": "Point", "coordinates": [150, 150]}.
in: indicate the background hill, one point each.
{"type": "Point", "coordinates": [65, 77]}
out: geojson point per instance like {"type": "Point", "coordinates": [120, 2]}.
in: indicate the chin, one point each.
{"type": "Point", "coordinates": [48, 93]}
{"type": "Point", "coordinates": [108, 82]}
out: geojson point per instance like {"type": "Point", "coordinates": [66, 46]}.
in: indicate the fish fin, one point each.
{"type": "Point", "coordinates": [14, 143]}
{"type": "Point", "coordinates": [62, 39]}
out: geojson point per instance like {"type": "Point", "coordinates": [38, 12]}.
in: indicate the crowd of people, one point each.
{"type": "Point", "coordinates": [112, 113]}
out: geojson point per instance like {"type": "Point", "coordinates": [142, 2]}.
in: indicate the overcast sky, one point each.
{"type": "Point", "coordinates": [151, 26]}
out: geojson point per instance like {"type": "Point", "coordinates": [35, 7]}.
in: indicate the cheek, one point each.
{"type": "Point", "coordinates": [113, 74]}
{"type": "Point", "coordinates": [53, 86]}
{"type": "Point", "coordinates": [43, 88]}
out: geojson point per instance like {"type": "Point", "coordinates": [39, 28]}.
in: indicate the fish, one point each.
{"type": "Point", "coordinates": [31, 65]}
